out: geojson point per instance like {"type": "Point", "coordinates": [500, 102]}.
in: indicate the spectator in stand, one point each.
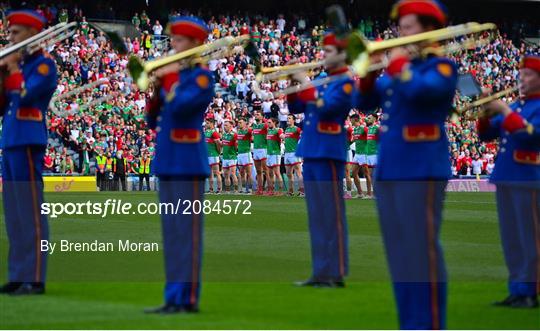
{"type": "Point", "coordinates": [242, 89]}
{"type": "Point", "coordinates": [63, 17]}
{"type": "Point", "coordinates": [48, 163]}
{"type": "Point", "coordinates": [67, 166]}
{"type": "Point", "coordinates": [146, 24]}
{"type": "Point", "coordinates": [158, 29]}
{"type": "Point", "coordinates": [490, 166]}
{"type": "Point", "coordinates": [267, 107]}
{"type": "Point", "coordinates": [465, 169]}
{"type": "Point", "coordinates": [477, 166]}
{"type": "Point", "coordinates": [136, 21]}
{"type": "Point", "coordinates": [282, 113]}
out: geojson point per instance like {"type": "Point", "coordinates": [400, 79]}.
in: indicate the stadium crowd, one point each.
{"type": "Point", "coordinates": [89, 128]}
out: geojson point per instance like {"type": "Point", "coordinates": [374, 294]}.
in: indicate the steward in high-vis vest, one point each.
{"type": "Point", "coordinates": [144, 171]}
{"type": "Point", "coordinates": [101, 163]}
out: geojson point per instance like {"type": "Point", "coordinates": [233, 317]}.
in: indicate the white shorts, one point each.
{"type": "Point", "coordinates": [349, 157]}
{"type": "Point", "coordinates": [273, 161]}
{"type": "Point", "coordinates": [372, 161]}
{"type": "Point", "coordinates": [213, 160]}
{"type": "Point", "coordinates": [259, 154]}
{"type": "Point", "coordinates": [244, 159]}
{"type": "Point", "coordinates": [229, 163]}
{"type": "Point", "coordinates": [291, 159]}
{"type": "Point", "coordinates": [360, 159]}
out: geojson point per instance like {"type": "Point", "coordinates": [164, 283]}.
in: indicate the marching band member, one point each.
{"type": "Point", "coordinates": [517, 176]}
{"type": "Point", "coordinates": [26, 92]}
{"type": "Point", "coordinates": [322, 148]}
{"type": "Point", "coordinates": [181, 163]}
{"type": "Point", "coordinates": [416, 95]}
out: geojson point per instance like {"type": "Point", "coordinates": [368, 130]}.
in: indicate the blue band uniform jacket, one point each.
{"type": "Point", "coordinates": [25, 101]}
{"type": "Point", "coordinates": [415, 102]}
{"type": "Point", "coordinates": [518, 158]}
{"type": "Point", "coordinates": [325, 109]}
{"type": "Point", "coordinates": [181, 147]}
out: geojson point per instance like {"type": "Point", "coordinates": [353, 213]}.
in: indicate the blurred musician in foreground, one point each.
{"type": "Point", "coordinates": [517, 176]}
{"type": "Point", "coordinates": [176, 112]}
{"type": "Point", "coordinates": [28, 83]}
{"type": "Point", "coordinates": [415, 94]}
{"type": "Point", "coordinates": [323, 148]}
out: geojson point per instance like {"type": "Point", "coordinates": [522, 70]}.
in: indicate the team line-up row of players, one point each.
{"type": "Point", "coordinates": [242, 145]}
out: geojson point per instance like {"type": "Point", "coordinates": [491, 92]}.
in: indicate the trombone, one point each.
{"type": "Point", "coordinates": [359, 48]}
{"type": "Point", "coordinates": [80, 89]}
{"type": "Point", "coordinates": [86, 87]}
{"type": "Point", "coordinates": [44, 39]}
{"type": "Point", "coordinates": [490, 98]}
{"type": "Point", "coordinates": [480, 102]}
{"type": "Point", "coordinates": [283, 72]}
{"type": "Point", "coordinates": [56, 34]}
{"type": "Point", "coordinates": [140, 70]}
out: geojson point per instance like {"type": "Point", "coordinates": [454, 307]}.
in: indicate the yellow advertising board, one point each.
{"type": "Point", "coordinates": [67, 184]}
{"type": "Point", "coordinates": [70, 184]}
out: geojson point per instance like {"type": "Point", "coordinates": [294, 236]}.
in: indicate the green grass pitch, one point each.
{"type": "Point", "coordinates": [249, 264]}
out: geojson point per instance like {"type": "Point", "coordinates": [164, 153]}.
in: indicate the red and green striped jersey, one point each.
{"type": "Point", "coordinates": [349, 138]}
{"type": "Point", "coordinates": [372, 138]}
{"type": "Point", "coordinates": [244, 141]}
{"type": "Point", "coordinates": [259, 135]}
{"type": "Point", "coordinates": [359, 139]}
{"type": "Point", "coordinates": [256, 37]}
{"type": "Point", "coordinates": [212, 136]}
{"type": "Point", "coordinates": [229, 141]}
{"type": "Point", "coordinates": [273, 141]}
{"type": "Point", "coordinates": [292, 135]}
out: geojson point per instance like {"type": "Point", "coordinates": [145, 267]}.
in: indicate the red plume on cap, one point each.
{"type": "Point", "coordinates": [331, 39]}
{"type": "Point", "coordinates": [27, 18]}
{"type": "Point", "coordinates": [531, 61]}
{"type": "Point", "coordinates": [188, 26]}
{"type": "Point", "coordinates": [430, 8]}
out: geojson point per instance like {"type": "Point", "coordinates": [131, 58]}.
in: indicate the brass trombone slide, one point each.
{"type": "Point", "coordinates": [488, 99]}
{"type": "Point", "coordinates": [359, 48]}
{"type": "Point", "coordinates": [456, 113]}
{"type": "Point", "coordinates": [284, 71]}
{"type": "Point", "coordinates": [140, 70]}
{"type": "Point", "coordinates": [43, 39]}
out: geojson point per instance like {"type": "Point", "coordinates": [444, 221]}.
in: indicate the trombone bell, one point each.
{"type": "Point", "coordinates": [357, 44]}
{"type": "Point", "coordinates": [135, 67]}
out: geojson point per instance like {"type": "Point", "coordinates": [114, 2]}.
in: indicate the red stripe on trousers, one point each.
{"type": "Point", "coordinates": [536, 222]}
{"type": "Point", "coordinates": [195, 254]}
{"type": "Point", "coordinates": [432, 253]}
{"type": "Point", "coordinates": [37, 222]}
{"type": "Point", "coordinates": [339, 221]}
